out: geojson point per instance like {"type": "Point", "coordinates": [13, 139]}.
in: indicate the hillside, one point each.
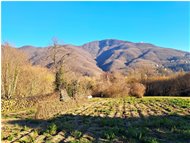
{"type": "Point", "coordinates": [114, 55]}
{"type": "Point", "coordinates": [117, 55]}
{"type": "Point", "coordinates": [74, 58]}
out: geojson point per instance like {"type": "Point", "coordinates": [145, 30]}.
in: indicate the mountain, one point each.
{"type": "Point", "coordinates": [117, 55]}
{"type": "Point", "coordinates": [113, 55]}
{"type": "Point", "coordinates": [73, 57]}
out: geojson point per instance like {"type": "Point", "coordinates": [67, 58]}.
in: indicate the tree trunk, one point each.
{"type": "Point", "coordinates": [15, 81]}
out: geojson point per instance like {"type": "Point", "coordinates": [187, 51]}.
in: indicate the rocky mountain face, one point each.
{"type": "Point", "coordinates": [112, 55]}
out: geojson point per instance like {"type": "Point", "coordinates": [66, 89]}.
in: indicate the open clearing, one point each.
{"type": "Point", "coordinates": [129, 120]}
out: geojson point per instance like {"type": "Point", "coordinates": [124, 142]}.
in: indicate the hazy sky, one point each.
{"type": "Point", "coordinates": [164, 24]}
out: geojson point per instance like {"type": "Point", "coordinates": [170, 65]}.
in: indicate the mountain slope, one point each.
{"type": "Point", "coordinates": [74, 58]}
{"type": "Point", "coordinates": [117, 55]}
{"type": "Point", "coordinates": [113, 55]}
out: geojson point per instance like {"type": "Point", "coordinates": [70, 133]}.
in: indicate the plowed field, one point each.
{"type": "Point", "coordinates": [129, 120]}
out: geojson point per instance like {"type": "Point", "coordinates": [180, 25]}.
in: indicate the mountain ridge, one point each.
{"type": "Point", "coordinates": [80, 45]}
{"type": "Point", "coordinates": [121, 56]}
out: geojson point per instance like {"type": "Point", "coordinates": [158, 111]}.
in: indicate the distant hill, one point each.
{"type": "Point", "coordinates": [113, 55]}
{"type": "Point", "coordinates": [74, 58]}
{"type": "Point", "coordinates": [117, 55]}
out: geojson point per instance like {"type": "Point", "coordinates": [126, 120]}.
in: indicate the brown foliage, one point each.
{"type": "Point", "coordinates": [12, 60]}
{"type": "Point", "coordinates": [35, 81]}
{"type": "Point", "coordinates": [175, 85]}
{"type": "Point", "coordinates": [20, 78]}
{"type": "Point", "coordinates": [117, 89]}
{"type": "Point", "coordinates": [52, 106]}
{"type": "Point", "coordinates": [137, 90]}
{"type": "Point", "coordinates": [117, 85]}
{"type": "Point", "coordinates": [22, 103]}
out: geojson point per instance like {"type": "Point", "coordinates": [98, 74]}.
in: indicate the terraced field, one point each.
{"type": "Point", "coordinates": [129, 120]}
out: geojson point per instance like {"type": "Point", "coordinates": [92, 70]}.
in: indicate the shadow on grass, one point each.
{"type": "Point", "coordinates": [153, 129]}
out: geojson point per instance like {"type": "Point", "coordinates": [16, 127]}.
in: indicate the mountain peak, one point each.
{"type": "Point", "coordinates": [116, 55]}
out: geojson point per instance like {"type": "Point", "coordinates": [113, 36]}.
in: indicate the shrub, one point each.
{"type": "Point", "coordinates": [20, 78]}
{"type": "Point", "coordinates": [72, 88]}
{"type": "Point", "coordinates": [117, 85]}
{"type": "Point", "coordinates": [173, 85]}
{"type": "Point", "coordinates": [69, 81]}
{"type": "Point", "coordinates": [117, 89]}
{"type": "Point", "coordinates": [52, 129]}
{"type": "Point", "coordinates": [137, 90]}
{"type": "Point", "coordinates": [10, 137]}
{"type": "Point", "coordinates": [35, 80]}
{"type": "Point", "coordinates": [12, 62]}
{"type": "Point", "coordinates": [85, 86]}
{"type": "Point", "coordinates": [111, 85]}
{"type": "Point", "coordinates": [76, 134]}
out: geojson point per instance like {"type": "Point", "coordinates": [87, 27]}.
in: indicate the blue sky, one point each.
{"type": "Point", "coordinates": [164, 24]}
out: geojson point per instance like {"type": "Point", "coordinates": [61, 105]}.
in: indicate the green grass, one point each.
{"type": "Point", "coordinates": [180, 102]}
{"type": "Point", "coordinates": [52, 128]}
{"type": "Point", "coordinates": [76, 134]}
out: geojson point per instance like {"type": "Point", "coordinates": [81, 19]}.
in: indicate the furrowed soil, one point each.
{"type": "Point", "coordinates": [129, 120]}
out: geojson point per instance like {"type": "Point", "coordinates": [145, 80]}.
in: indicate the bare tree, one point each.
{"type": "Point", "coordinates": [57, 59]}
{"type": "Point", "coordinates": [54, 52]}
{"type": "Point", "coordinates": [12, 60]}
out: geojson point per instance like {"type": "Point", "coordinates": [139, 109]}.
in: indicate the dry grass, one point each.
{"type": "Point", "coordinates": [22, 103]}
{"type": "Point", "coordinates": [53, 106]}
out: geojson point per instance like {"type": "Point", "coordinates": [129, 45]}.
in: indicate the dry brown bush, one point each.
{"type": "Point", "coordinates": [174, 85]}
{"type": "Point", "coordinates": [111, 85]}
{"type": "Point", "coordinates": [12, 61]}
{"type": "Point", "coordinates": [85, 85]}
{"type": "Point", "coordinates": [137, 90]}
{"type": "Point", "coordinates": [20, 78]}
{"type": "Point", "coordinates": [100, 85]}
{"type": "Point", "coordinates": [117, 89]}
{"type": "Point", "coordinates": [35, 80]}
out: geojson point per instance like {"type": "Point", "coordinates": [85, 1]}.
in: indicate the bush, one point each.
{"type": "Point", "coordinates": [35, 80]}
{"type": "Point", "coordinates": [174, 85]}
{"type": "Point", "coordinates": [52, 129]}
{"type": "Point", "coordinates": [117, 89]}
{"type": "Point", "coordinates": [72, 88]}
{"type": "Point", "coordinates": [111, 85]}
{"type": "Point", "coordinates": [85, 86]}
{"type": "Point", "coordinates": [117, 85]}
{"type": "Point", "coordinates": [99, 89]}
{"type": "Point", "coordinates": [137, 90]}
{"type": "Point", "coordinates": [12, 61]}
{"type": "Point", "coordinates": [20, 78]}
{"type": "Point", "coordinates": [69, 81]}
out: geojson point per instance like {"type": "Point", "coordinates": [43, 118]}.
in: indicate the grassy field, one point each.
{"type": "Point", "coordinates": [130, 120]}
